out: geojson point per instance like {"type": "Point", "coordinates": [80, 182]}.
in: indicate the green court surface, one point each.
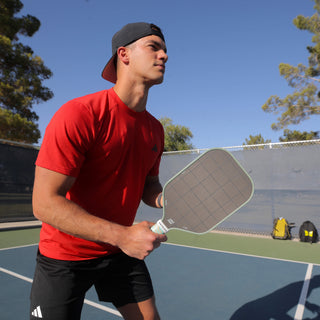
{"type": "Point", "coordinates": [266, 247]}
{"type": "Point", "coordinates": [21, 237]}
{"type": "Point", "coordinates": [292, 250]}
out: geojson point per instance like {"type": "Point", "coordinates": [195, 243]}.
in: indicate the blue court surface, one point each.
{"type": "Point", "coordinates": [190, 284]}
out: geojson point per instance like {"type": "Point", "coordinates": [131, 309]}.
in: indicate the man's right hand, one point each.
{"type": "Point", "coordinates": [139, 241]}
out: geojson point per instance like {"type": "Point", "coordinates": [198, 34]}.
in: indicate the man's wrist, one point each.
{"type": "Point", "coordinates": [158, 201]}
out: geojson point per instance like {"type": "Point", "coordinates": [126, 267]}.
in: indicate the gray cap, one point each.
{"type": "Point", "coordinates": [128, 34]}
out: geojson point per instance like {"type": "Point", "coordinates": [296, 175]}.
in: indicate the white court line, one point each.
{"type": "Point", "coordinates": [237, 253]}
{"type": "Point", "coordinates": [101, 307]}
{"type": "Point", "coordinates": [17, 275]}
{"type": "Point", "coordinates": [199, 248]}
{"type": "Point", "coordinates": [300, 307]}
{"type": "Point", "coordinates": [86, 301]}
{"type": "Point", "coordinates": [18, 247]}
{"type": "Point", "coordinates": [303, 295]}
{"type": "Point", "coordinates": [306, 283]}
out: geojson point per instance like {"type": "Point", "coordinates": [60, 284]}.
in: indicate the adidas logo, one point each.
{"type": "Point", "coordinates": [37, 312]}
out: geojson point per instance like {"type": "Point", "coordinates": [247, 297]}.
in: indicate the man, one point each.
{"type": "Point", "coordinates": [100, 156]}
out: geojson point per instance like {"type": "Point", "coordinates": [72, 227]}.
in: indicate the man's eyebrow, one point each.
{"type": "Point", "coordinates": [158, 44]}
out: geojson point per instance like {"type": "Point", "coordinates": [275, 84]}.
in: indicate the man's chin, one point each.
{"type": "Point", "coordinates": [158, 80]}
{"type": "Point", "coordinates": [154, 80]}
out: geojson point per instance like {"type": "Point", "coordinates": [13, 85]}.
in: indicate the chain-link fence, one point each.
{"type": "Point", "coordinates": [16, 180]}
{"type": "Point", "coordinates": [286, 178]}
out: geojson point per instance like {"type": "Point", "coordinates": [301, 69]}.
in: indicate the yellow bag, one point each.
{"type": "Point", "coordinates": [281, 229]}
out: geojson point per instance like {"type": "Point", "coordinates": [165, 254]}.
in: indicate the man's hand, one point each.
{"type": "Point", "coordinates": [139, 241]}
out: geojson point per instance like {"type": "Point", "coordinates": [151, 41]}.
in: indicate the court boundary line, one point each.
{"type": "Point", "coordinates": [86, 301]}
{"type": "Point", "coordinates": [300, 306]}
{"type": "Point", "coordinates": [240, 254]}
{"type": "Point", "coordinates": [199, 248]}
{"type": "Point", "coordinates": [16, 275]}
{"type": "Point", "coordinates": [304, 291]}
{"type": "Point", "coordinates": [18, 247]}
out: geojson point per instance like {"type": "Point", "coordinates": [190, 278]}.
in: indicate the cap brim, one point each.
{"type": "Point", "coordinates": [109, 72]}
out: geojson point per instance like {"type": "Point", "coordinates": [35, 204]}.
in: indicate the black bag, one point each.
{"type": "Point", "coordinates": [308, 232]}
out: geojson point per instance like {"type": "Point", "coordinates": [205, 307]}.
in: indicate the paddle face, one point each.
{"type": "Point", "coordinates": [205, 193]}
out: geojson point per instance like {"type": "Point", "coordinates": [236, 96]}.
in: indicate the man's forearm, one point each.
{"type": "Point", "coordinates": [51, 206]}
{"type": "Point", "coordinates": [137, 241]}
{"type": "Point", "coordinates": [70, 218]}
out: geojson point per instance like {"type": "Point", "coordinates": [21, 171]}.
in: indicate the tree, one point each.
{"type": "Point", "coordinates": [176, 137]}
{"type": "Point", "coordinates": [298, 136]}
{"type": "Point", "coordinates": [21, 74]}
{"type": "Point", "coordinates": [14, 127]}
{"type": "Point", "coordinates": [305, 100]}
{"type": "Point", "coordinates": [258, 139]}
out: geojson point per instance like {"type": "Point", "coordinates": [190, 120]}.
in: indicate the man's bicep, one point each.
{"type": "Point", "coordinates": [48, 182]}
{"type": "Point", "coordinates": [48, 187]}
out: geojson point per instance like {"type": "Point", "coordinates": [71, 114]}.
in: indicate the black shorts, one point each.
{"type": "Point", "coordinates": [59, 287]}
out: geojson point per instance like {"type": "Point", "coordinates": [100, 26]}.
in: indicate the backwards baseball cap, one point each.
{"type": "Point", "coordinates": [128, 34]}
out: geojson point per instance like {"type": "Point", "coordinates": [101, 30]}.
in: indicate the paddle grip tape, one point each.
{"type": "Point", "coordinates": [159, 227]}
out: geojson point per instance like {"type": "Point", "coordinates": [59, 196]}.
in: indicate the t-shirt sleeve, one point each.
{"type": "Point", "coordinates": [67, 139]}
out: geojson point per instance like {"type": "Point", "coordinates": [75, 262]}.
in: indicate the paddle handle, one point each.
{"type": "Point", "coordinates": [159, 227]}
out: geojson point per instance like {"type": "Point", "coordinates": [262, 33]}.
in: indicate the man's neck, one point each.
{"type": "Point", "coordinates": [133, 95]}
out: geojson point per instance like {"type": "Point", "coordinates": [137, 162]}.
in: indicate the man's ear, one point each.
{"type": "Point", "coordinates": [123, 55]}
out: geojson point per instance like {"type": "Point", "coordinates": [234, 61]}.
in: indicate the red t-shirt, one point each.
{"type": "Point", "coordinates": [110, 149]}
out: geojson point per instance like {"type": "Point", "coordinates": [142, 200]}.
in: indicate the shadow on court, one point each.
{"type": "Point", "coordinates": [277, 304]}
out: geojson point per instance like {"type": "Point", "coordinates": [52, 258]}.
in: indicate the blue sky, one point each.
{"type": "Point", "coordinates": [222, 67]}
